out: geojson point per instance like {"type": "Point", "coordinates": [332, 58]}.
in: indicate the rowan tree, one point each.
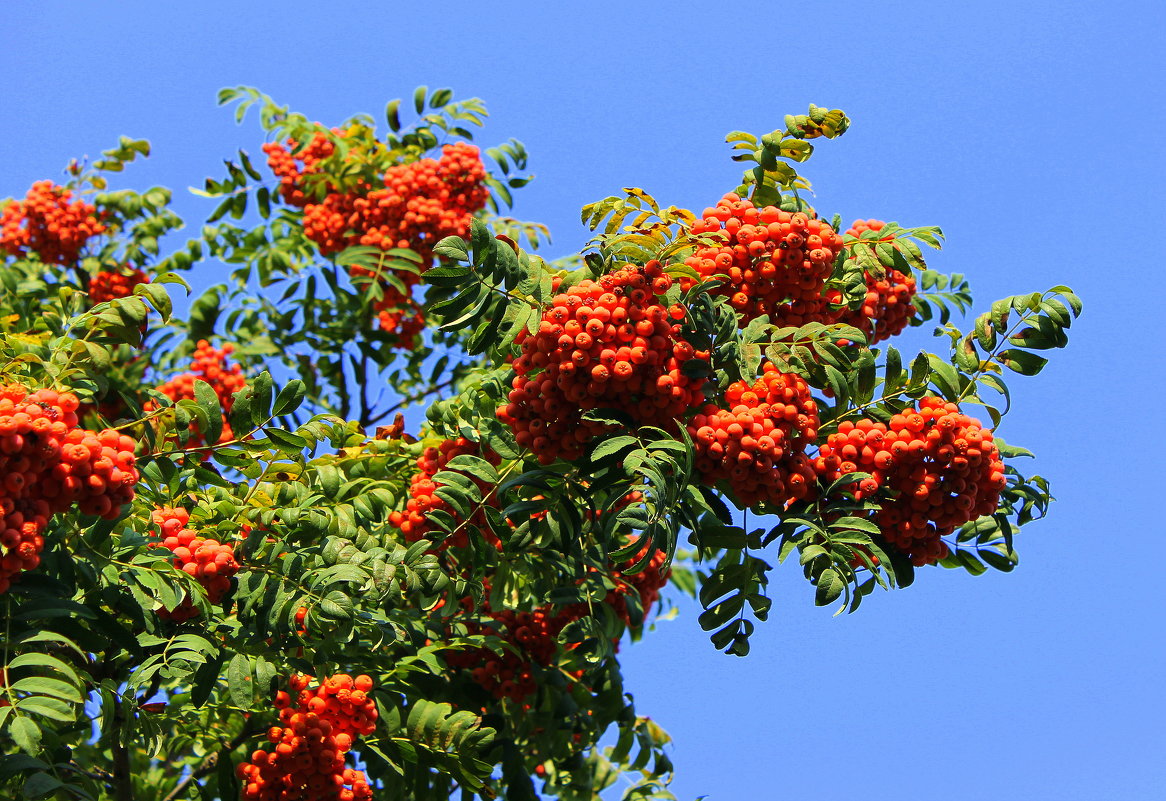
{"type": "Point", "coordinates": [228, 570]}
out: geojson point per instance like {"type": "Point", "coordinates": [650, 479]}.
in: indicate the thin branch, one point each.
{"type": "Point", "coordinates": [362, 380]}
{"type": "Point", "coordinates": [97, 774]}
{"type": "Point", "coordinates": [208, 765]}
{"type": "Point", "coordinates": [418, 396]}
{"type": "Point", "coordinates": [123, 789]}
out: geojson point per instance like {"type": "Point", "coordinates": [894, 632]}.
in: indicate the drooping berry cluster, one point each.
{"type": "Point", "coordinates": [49, 223]}
{"type": "Point", "coordinates": [602, 344]}
{"type": "Point", "coordinates": [415, 206]}
{"type": "Point", "coordinates": [776, 262]}
{"type": "Point", "coordinates": [47, 464]}
{"type": "Point", "coordinates": [933, 469]}
{"type": "Point", "coordinates": [401, 315]}
{"type": "Point", "coordinates": [292, 166]}
{"type": "Point", "coordinates": [410, 211]}
{"type": "Point", "coordinates": [887, 308]}
{"type": "Point", "coordinates": [533, 635]}
{"type": "Point", "coordinates": [209, 365]}
{"type": "Point", "coordinates": [758, 445]}
{"type": "Point", "coordinates": [209, 561]}
{"type": "Point", "coordinates": [109, 284]}
{"type": "Point", "coordinates": [533, 640]}
{"type": "Point", "coordinates": [307, 763]}
{"type": "Point", "coordinates": [423, 499]}
{"type": "Point", "coordinates": [646, 585]}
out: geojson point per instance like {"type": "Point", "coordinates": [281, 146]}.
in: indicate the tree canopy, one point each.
{"type": "Point", "coordinates": [229, 571]}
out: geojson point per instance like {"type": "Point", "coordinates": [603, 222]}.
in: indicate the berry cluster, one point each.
{"type": "Point", "coordinates": [414, 523]}
{"type": "Point", "coordinates": [758, 445]}
{"type": "Point", "coordinates": [210, 562]}
{"type": "Point", "coordinates": [400, 315]}
{"type": "Point", "coordinates": [308, 762]}
{"type": "Point", "coordinates": [602, 344]}
{"type": "Point", "coordinates": [532, 637]}
{"type": "Point", "coordinates": [109, 284]}
{"type": "Point", "coordinates": [293, 167]}
{"type": "Point", "coordinates": [210, 365]}
{"type": "Point", "coordinates": [646, 584]}
{"type": "Point", "coordinates": [49, 223]}
{"type": "Point", "coordinates": [47, 464]}
{"type": "Point", "coordinates": [417, 205]}
{"type": "Point", "coordinates": [776, 262]}
{"type": "Point", "coordinates": [933, 469]}
{"type": "Point", "coordinates": [887, 307]}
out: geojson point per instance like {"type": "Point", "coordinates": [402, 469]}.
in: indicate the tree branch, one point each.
{"type": "Point", "coordinates": [209, 764]}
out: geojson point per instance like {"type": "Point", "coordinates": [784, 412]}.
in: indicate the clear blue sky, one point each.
{"type": "Point", "coordinates": [1030, 131]}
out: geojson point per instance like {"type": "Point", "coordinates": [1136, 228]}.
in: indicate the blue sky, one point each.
{"type": "Point", "coordinates": [1030, 131]}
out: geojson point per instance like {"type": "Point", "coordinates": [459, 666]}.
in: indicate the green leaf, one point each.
{"type": "Point", "coordinates": [43, 685]}
{"type": "Point", "coordinates": [25, 733]}
{"type": "Point", "coordinates": [45, 706]}
{"type": "Point", "coordinates": [208, 403]}
{"type": "Point", "coordinates": [40, 785]}
{"type": "Point", "coordinates": [239, 681]}
{"type": "Point", "coordinates": [392, 115]}
{"type": "Point", "coordinates": [612, 446]}
{"type": "Point", "coordinates": [290, 397]}
{"type": "Point", "coordinates": [945, 378]}
{"type": "Point", "coordinates": [261, 388]}
{"type": "Point", "coordinates": [1021, 361]}
{"type": "Point", "coordinates": [159, 298]}
{"type": "Point", "coordinates": [830, 586]}
{"type": "Point", "coordinates": [291, 444]}
{"type": "Point", "coordinates": [474, 466]}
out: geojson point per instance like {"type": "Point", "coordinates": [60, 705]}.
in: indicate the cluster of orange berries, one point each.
{"type": "Point", "coordinates": [933, 469]}
{"type": "Point", "coordinates": [47, 464]}
{"type": "Point", "coordinates": [602, 344]}
{"type": "Point", "coordinates": [418, 205]}
{"type": "Point", "coordinates": [49, 223]}
{"type": "Point", "coordinates": [534, 635]}
{"type": "Point", "coordinates": [401, 315]}
{"type": "Point", "coordinates": [887, 308]}
{"type": "Point", "coordinates": [308, 761]}
{"type": "Point", "coordinates": [210, 365]}
{"type": "Point", "coordinates": [646, 584]}
{"type": "Point", "coordinates": [107, 285]}
{"type": "Point", "coordinates": [414, 523]}
{"type": "Point", "coordinates": [777, 263]}
{"type": "Point", "coordinates": [758, 445]}
{"type": "Point", "coordinates": [210, 562]}
{"type": "Point", "coordinates": [533, 640]}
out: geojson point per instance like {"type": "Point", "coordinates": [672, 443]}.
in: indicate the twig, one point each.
{"type": "Point", "coordinates": [208, 765]}
{"type": "Point", "coordinates": [418, 396]}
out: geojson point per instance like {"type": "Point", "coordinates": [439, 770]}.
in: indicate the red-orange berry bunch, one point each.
{"type": "Point", "coordinates": [107, 285]}
{"type": "Point", "coordinates": [49, 223]}
{"type": "Point", "coordinates": [210, 562]}
{"type": "Point", "coordinates": [423, 499]}
{"type": "Point", "coordinates": [47, 464]}
{"type": "Point", "coordinates": [758, 445]}
{"type": "Point", "coordinates": [210, 365]}
{"type": "Point", "coordinates": [777, 263]}
{"type": "Point", "coordinates": [400, 315]}
{"type": "Point", "coordinates": [933, 470]}
{"type": "Point", "coordinates": [609, 343]}
{"type": "Point", "coordinates": [415, 206]}
{"type": "Point", "coordinates": [533, 637]}
{"type": "Point", "coordinates": [292, 167]}
{"type": "Point", "coordinates": [646, 584]}
{"type": "Point", "coordinates": [887, 308]}
{"type": "Point", "coordinates": [307, 763]}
